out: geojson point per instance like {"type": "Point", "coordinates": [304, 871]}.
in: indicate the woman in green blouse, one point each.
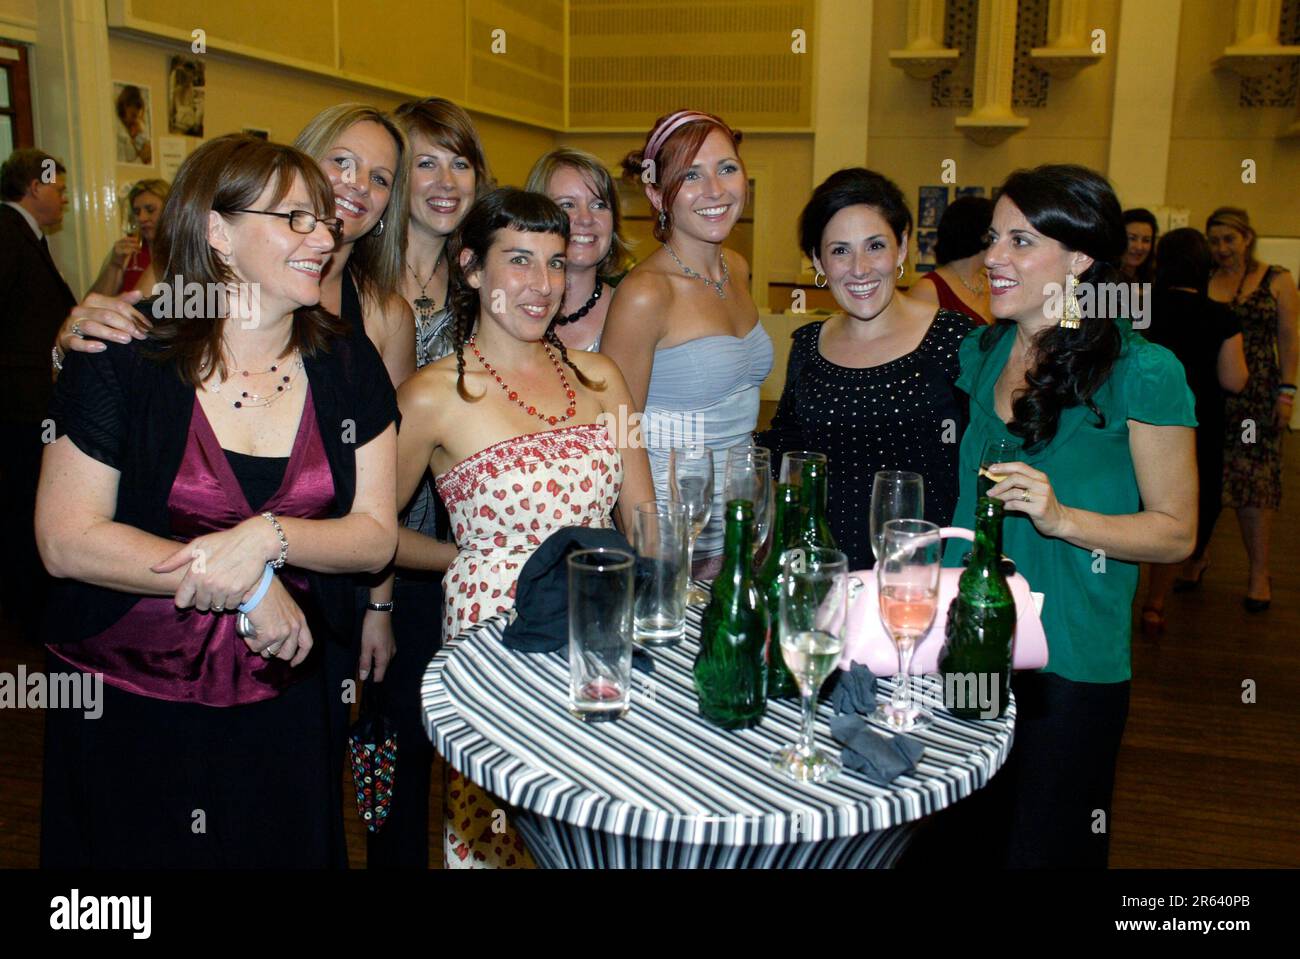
{"type": "Point", "coordinates": [1106, 480]}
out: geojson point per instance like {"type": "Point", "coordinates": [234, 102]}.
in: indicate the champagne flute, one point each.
{"type": "Point", "coordinates": [907, 575]}
{"type": "Point", "coordinates": [749, 476]}
{"type": "Point", "coordinates": [995, 452]}
{"type": "Point", "coordinates": [812, 608]}
{"type": "Point", "coordinates": [895, 494]}
{"type": "Point", "coordinates": [690, 481]}
{"type": "Point", "coordinates": [132, 230]}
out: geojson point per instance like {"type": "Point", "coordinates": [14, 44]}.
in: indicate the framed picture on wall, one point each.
{"type": "Point", "coordinates": [185, 92]}
{"type": "Point", "coordinates": [970, 191]}
{"type": "Point", "coordinates": [133, 121]}
{"type": "Point", "coordinates": [933, 201]}
{"type": "Point", "coordinates": [926, 242]}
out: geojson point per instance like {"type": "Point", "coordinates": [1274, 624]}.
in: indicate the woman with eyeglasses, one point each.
{"type": "Point", "coordinates": [214, 487]}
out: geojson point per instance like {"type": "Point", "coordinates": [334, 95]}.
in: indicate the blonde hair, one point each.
{"type": "Point", "coordinates": [159, 188]}
{"type": "Point", "coordinates": [601, 183]}
{"type": "Point", "coordinates": [1235, 218]}
{"type": "Point", "coordinates": [377, 259]}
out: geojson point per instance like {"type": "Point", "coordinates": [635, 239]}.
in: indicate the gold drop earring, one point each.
{"type": "Point", "coordinates": [1071, 316]}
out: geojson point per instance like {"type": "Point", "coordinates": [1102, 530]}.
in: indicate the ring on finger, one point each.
{"type": "Point", "coordinates": [273, 648]}
{"type": "Point", "coordinates": [76, 328]}
{"type": "Point", "coordinates": [1024, 497]}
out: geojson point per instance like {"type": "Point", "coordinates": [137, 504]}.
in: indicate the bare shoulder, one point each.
{"type": "Point", "coordinates": [426, 390]}
{"type": "Point", "coordinates": [394, 314]}
{"type": "Point", "coordinates": [737, 265]}
{"type": "Point", "coordinates": [646, 286]}
{"type": "Point", "coordinates": [594, 366]}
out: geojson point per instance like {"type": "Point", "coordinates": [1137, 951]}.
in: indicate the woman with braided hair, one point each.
{"type": "Point", "coordinates": [508, 481]}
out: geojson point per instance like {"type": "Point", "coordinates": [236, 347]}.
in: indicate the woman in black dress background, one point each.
{"type": "Point", "coordinates": [1206, 338]}
{"type": "Point", "coordinates": [872, 387]}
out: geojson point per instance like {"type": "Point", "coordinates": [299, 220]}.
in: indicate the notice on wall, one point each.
{"type": "Point", "coordinates": [171, 152]}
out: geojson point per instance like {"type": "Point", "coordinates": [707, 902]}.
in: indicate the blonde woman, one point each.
{"type": "Point", "coordinates": [129, 265]}
{"type": "Point", "coordinates": [597, 255]}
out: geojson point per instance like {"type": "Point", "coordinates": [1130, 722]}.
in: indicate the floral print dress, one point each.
{"type": "Point", "coordinates": [503, 502]}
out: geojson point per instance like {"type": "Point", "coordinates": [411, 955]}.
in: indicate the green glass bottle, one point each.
{"type": "Point", "coordinates": [785, 535]}
{"type": "Point", "coordinates": [730, 673]}
{"type": "Point", "coordinates": [816, 530]}
{"type": "Point", "coordinates": [976, 661]}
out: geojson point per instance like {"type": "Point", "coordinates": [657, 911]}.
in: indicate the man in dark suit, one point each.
{"type": "Point", "coordinates": [34, 299]}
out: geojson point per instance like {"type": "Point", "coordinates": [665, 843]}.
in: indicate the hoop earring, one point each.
{"type": "Point", "coordinates": [1071, 316]}
{"type": "Point", "coordinates": [822, 276]}
{"type": "Point", "coordinates": [900, 271]}
{"type": "Point", "coordinates": [379, 229]}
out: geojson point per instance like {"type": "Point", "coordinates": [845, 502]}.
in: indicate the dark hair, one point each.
{"type": "Point", "coordinates": [673, 159]}
{"type": "Point", "coordinates": [449, 126]}
{"type": "Point", "coordinates": [129, 97]}
{"type": "Point", "coordinates": [851, 187]}
{"type": "Point", "coordinates": [225, 175]}
{"type": "Point", "coordinates": [1183, 259]}
{"type": "Point", "coordinates": [1140, 214]}
{"type": "Point", "coordinates": [963, 229]}
{"type": "Point", "coordinates": [505, 208]}
{"type": "Point", "coordinates": [1076, 207]}
{"type": "Point", "coordinates": [21, 168]}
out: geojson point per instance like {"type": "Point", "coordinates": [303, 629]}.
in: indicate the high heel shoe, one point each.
{"type": "Point", "coordinates": [1253, 605]}
{"type": "Point", "coordinates": [1184, 585]}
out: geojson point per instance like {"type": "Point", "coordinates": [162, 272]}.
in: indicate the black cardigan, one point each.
{"type": "Point", "coordinates": [131, 412]}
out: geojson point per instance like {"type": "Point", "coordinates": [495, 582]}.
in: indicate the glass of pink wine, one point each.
{"type": "Point", "coordinates": [907, 575]}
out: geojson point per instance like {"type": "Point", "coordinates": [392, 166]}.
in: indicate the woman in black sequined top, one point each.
{"type": "Point", "coordinates": [872, 387]}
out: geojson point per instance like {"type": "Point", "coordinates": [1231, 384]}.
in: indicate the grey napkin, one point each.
{"type": "Point", "coordinates": [879, 759]}
{"type": "Point", "coordinates": [854, 691]}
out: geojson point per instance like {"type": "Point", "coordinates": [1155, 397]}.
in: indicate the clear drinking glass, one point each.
{"type": "Point", "coordinates": [600, 633]}
{"type": "Point", "coordinates": [132, 230]}
{"type": "Point", "coordinates": [690, 481]}
{"type": "Point", "coordinates": [895, 494]}
{"type": "Point", "coordinates": [812, 606]}
{"type": "Point", "coordinates": [661, 536]}
{"type": "Point", "coordinates": [995, 452]}
{"type": "Point", "coordinates": [907, 576]}
{"type": "Point", "coordinates": [749, 476]}
{"type": "Point", "coordinates": [792, 465]}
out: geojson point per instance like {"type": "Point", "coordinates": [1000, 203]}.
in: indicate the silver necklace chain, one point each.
{"type": "Point", "coordinates": [716, 285]}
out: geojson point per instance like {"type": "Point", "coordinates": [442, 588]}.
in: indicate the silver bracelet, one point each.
{"type": "Point", "coordinates": [54, 358]}
{"type": "Point", "coordinates": [284, 543]}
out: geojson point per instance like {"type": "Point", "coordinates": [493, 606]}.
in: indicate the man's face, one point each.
{"type": "Point", "coordinates": [47, 200]}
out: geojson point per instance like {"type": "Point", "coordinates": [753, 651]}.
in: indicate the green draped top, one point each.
{"type": "Point", "coordinates": [1088, 596]}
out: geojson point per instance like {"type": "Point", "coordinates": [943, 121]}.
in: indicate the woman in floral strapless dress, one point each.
{"type": "Point", "coordinates": [513, 428]}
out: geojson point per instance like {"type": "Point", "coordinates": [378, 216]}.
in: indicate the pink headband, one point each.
{"type": "Point", "coordinates": [670, 126]}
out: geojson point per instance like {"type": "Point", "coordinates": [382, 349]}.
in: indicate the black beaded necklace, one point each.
{"type": "Point", "coordinates": [564, 320]}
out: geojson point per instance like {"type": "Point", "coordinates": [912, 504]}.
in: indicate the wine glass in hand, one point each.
{"type": "Point", "coordinates": [996, 452]}
{"type": "Point", "coordinates": [690, 481]}
{"type": "Point", "coordinates": [907, 576]}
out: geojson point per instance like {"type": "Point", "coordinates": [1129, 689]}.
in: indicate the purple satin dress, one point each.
{"type": "Point", "coordinates": [184, 655]}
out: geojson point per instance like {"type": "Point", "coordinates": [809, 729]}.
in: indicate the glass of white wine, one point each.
{"type": "Point", "coordinates": [907, 576]}
{"type": "Point", "coordinates": [812, 606]}
{"type": "Point", "coordinates": [690, 481]}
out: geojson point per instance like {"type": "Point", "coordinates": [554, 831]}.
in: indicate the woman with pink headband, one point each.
{"type": "Point", "coordinates": [682, 326]}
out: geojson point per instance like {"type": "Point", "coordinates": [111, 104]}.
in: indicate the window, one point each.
{"type": "Point", "coordinates": [15, 99]}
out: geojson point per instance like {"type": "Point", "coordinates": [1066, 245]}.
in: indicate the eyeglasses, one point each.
{"type": "Point", "coordinates": [301, 221]}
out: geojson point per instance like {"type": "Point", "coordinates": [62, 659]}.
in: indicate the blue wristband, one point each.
{"type": "Point", "coordinates": [262, 587]}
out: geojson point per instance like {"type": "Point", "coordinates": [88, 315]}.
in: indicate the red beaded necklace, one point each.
{"type": "Point", "coordinates": [514, 395]}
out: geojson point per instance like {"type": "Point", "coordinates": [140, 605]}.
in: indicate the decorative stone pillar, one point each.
{"type": "Point", "coordinates": [1069, 40]}
{"type": "Point", "coordinates": [925, 55]}
{"type": "Point", "coordinates": [1255, 48]}
{"type": "Point", "coordinates": [992, 119]}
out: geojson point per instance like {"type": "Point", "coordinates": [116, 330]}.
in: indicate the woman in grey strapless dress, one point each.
{"type": "Point", "coordinates": [683, 327]}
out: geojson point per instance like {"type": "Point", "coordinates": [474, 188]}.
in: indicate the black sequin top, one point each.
{"type": "Point", "coordinates": [905, 415]}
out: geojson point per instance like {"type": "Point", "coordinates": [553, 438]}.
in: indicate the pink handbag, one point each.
{"type": "Point", "coordinates": [867, 642]}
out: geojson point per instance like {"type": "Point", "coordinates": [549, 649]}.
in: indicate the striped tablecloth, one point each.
{"type": "Point", "coordinates": [662, 786]}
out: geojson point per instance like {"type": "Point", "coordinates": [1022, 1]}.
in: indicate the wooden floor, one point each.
{"type": "Point", "coordinates": [1204, 780]}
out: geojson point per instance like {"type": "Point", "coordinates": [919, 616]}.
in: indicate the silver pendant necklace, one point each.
{"type": "Point", "coordinates": [716, 285]}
